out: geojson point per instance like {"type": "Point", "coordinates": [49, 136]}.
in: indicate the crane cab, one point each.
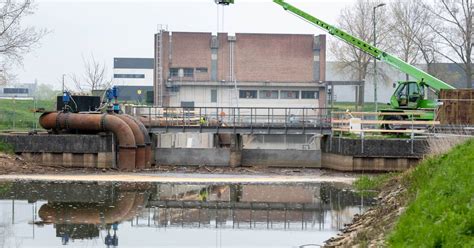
{"type": "Point", "coordinates": [224, 2]}
{"type": "Point", "coordinates": [412, 95]}
{"type": "Point", "coordinates": [408, 95]}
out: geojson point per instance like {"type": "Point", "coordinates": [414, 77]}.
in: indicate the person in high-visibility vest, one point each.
{"type": "Point", "coordinates": [203, 121]}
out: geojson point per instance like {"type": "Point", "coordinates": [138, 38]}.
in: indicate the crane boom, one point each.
{"type": "Point", "coordinates": [422, 76]}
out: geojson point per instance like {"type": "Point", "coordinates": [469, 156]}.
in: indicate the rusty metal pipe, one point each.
{"type": "Point", "coordinates": [148, 152]}
{"type": "Point", "coordinates": [140, 158]}
{"type": "Point", "coordinates": [97, 122]}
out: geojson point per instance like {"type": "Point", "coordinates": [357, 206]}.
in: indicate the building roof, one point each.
{"type": "Point", "coordinates": [134, 63]}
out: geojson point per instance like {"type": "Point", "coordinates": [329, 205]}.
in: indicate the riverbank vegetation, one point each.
{"type": "Point", "coordinates": [440, 211]}
{"type": "Point", "coordinates": [431, 205]}
{"type": "Point", "coordinates": [6, 148]}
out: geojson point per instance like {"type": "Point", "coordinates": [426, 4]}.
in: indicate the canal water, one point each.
{"type": "Point", "coordinates": [39, 214]}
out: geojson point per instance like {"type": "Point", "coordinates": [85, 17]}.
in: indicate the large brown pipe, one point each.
{"type": "Point", "coordinates": [97, 122]}
{"type": "Point", "coordinates": [148, 152]}
{"type": "Point", "coordinates": [140, 158]}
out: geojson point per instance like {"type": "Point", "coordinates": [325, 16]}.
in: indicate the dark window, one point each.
{"type": "Point", "coordinates": [248, 94]}
{"type": "Point", "coordinates": [289, 94]}
{"type": "Point", "coordinates": [269, 94]}
{"type": "Point", "coordinates": [201, 70]}
{"type": "Point", "coordinates": [174, 72]}
{"type": "Point", "coordinates": [213, 95]}
{"type": "Point", "coordinates": [310, 95]}
{"type": "Point", "coordinates": [15, 91]}
{"type": "Point", "coordinates": [188, 72]}
{"type": "Point", "coordinates": [129, 75]}
{"type": "Point", "coordinates": [187, 105]}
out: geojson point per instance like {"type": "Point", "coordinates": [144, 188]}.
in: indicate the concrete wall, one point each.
{"type": "Point", "coordinates": [344, 154]}
{"type": "Point", "coordinates": [366, 164]}
{"type": "Point", "coordinates": [281, 142]}
{"type": "Point", "coordinates": [386, 148]}
{"type": "Point", "coordinates": [281, 158]}
{"type": "Point", "coordinates": [84, 151]}
{"type": "Point", "coordinates": [185, 140]}
{"type": "Point", "coordinates": [193, 157]}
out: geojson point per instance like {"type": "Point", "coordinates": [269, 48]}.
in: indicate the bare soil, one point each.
{"type": "Point", "coordinates": [370, 229]}
{"type": "Point", "coordinates": [12, 164]}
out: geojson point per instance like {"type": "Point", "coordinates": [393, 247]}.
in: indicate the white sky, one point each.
{"type": "Point", "coordinates": [111, 28]}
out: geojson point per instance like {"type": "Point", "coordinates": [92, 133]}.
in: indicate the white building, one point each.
{"type": "Point", "coordinates": [18, 91]}
{"type": "Point", "coordinates": [133, 72]}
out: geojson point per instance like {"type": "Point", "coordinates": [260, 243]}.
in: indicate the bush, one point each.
{"type": "Point", "coordinates": [6, 148]}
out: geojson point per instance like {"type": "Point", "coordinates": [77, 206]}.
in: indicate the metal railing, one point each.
{"type": "Point", "coordinates": [234, 117]}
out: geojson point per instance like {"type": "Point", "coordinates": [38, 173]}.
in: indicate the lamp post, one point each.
{"type": "Point", "coordinates": [375, 59]}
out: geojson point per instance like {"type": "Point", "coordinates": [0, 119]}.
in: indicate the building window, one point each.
{"type": "Point", "coordinates": [213, 95]}
{"type": "Point", "coordinates": [15, 91]}
{"type": "Point", "coordinates": [189, 106]}
{"type": "Point", "coordinates": [309, 94]}
{"type": "Point", "coordinates": [268, 94]}
{"type": "Point", "coordinates": [129, 75]}
{"type": "Point", "coordinates": [201, 70]}
{"type": "Point", "coordinates": [188, 72]}
{"type": "Point", "coordinates": [174, 72]}
{"type": "Point", "coordinates": [248, 94]}
{"type": "Point", "coordinates": [289, 94]}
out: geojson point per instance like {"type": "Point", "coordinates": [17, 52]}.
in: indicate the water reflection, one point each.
{"type": "Point", "coordinates": [136, 215]}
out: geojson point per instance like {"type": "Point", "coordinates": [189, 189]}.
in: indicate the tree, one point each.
{"type": "Point", "coordinates": [15, 39]}
{"type": "Point", "coordinates": [358, 21]}
{"type": "Point", "coordinates": [413, 36]}
{"type": "Point", "coordinates": [453, 25]}
{"type": "Point", "coordinates": [94, 76]}
{"type": "Point", "coordinates": [46, 92]}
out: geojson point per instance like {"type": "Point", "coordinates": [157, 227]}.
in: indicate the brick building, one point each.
{"type": "Point", "coordinates": [245, 70]}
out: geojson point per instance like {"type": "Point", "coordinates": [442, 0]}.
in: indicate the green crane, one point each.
{"type": "Point", "coordinates": [409, 95]}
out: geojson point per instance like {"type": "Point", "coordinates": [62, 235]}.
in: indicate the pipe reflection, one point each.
{"type": "Point", "coordinates": [83, 211]}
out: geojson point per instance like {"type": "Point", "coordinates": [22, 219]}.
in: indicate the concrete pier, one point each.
{"type": "Point", "coordinates": [234, 150]}
{"type": "Point", "coordinates": [67, 150]}
{"type": "Point", "coordinates": [227, 150]}
{"type": "Point", "coordinates": [375, 155]}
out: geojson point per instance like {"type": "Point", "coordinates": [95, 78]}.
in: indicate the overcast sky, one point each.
{"type": "Point", "coordinates": [111, 29]}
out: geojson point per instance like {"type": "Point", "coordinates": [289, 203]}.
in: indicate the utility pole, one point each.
{"type": "Point", "coordinates": [375, 59]}
{"type": "Point", "coordinates": [64, 76]}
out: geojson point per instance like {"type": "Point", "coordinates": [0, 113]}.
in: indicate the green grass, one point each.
{"type": "Point", "coordinates": [440, 212]}
{"type": "Point", "coordinates": [18, 114]}
{"type": "Point", "coordinates": [369, 185]}
{"type": "Point", "coordinates": [6, 148]}
{"type": "Point", "coordinates": [372, 182]}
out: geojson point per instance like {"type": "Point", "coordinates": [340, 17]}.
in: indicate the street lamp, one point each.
{"type": "Point", "coordinates": [375, 59]}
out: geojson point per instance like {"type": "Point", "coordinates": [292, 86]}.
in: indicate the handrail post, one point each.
{"type": "Point", "coordinates": [200, 118]}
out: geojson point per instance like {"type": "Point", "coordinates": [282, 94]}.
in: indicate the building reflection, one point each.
{"type": "Point", "coordinates": [83, 211]}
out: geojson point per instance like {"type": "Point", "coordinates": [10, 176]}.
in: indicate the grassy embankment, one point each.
{"type": "Point", "coordinates": [18, 114]}
{"type": "Point", "coordinates": [440, 197]}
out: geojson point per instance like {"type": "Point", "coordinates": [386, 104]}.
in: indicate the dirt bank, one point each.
{"type": "Point", "coordinates": [371, 228]}
{"type": "Point", "coordinates": [15, 165]}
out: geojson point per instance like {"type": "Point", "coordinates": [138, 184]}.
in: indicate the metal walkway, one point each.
{"type": "Point", "coordinates": [236, 120]}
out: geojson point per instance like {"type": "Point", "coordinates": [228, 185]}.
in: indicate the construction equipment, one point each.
{"type": "Point", "coordinates": [409, 96]}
